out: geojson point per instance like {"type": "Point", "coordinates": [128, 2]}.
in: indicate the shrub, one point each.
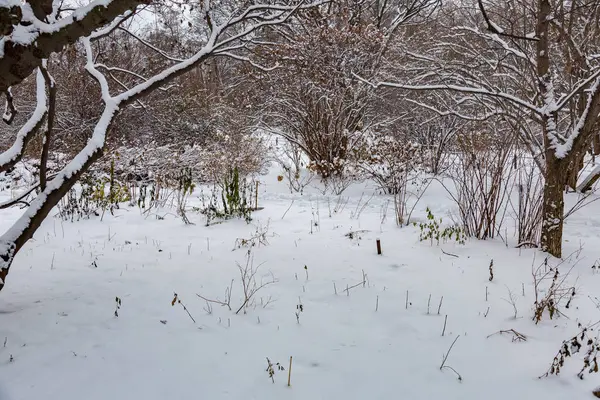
{"type": "Point", "coordinates": [431, 230]}
{"type": "Point", "coordinates": [234, 192]}
{"type": "Point", "coordinates": [91, 197]}
{"type": "Point", "coordinates": [482, 176]}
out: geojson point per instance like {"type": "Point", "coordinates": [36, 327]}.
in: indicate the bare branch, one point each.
{"type": "Point", "coordinates": [492, 27]}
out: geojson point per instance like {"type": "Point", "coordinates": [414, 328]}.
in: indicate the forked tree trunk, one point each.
{"type": "Point", "coordinates": [553, 208]}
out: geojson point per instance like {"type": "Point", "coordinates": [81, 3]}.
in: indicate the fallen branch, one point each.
{"type": "Point", "coordinates": [449, 254]}
{"type": "Point", "coordinates": [530, 244]}
{"type": "Point", "coordinates": [19, 199]}
{"type": "Point", "coordinates": [217, 301]}
{"type": "Point", "coordinates": [353, 286]}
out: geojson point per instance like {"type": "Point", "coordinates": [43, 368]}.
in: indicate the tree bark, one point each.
{"type": "Point", "coordinates": [596, 145]}
{"type": "Point", "coordinates": [573, 172]}
{"type": "Point", "coordinates": [553, 208]}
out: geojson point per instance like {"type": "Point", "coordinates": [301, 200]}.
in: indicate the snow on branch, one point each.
{"type": "Point", "coordinates": [492, 27]}
{"type": "Point", "coordinates": [11, 156]}
{"type": "Point", "coordinates": [564, 100]}
{"type": "Point", "coordinates": [463, 89]}
{"type": "Point", "coordinates": [583, 124]}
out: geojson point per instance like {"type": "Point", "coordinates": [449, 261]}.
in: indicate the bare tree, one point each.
{"type": "Point", "coordinates": [317, 104]}
{"type": "Point", "coordinates": [533, 61]}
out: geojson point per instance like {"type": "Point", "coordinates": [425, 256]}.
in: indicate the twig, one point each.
{"type": "Point", "coordinates": [440, 306]}
{"type": "Point", "coordinates": [19, 198]}
{"type": "Point", "coordinates": [364, 277]}
{"type": "Point", "coordinates": [517, 337]}
{"type": "Point", "coordinates": [177, 300]}
{"type": "Point", "coordinates": [351, 287]}
{"type": "Point", "coordinates": [428, 302]}
{"type": "Point", "coordinates": [449, 254]}
{"type": "Point", "coordinates": [511, 300]}
{"type": "Point", "coordinates": [446, 358]}
{"type": "Point", "coordinates": [219, 302]}
{"type": "Point", "coordinates": [288, 209]}
{"type": "Point", "coordinates": [445, 321]}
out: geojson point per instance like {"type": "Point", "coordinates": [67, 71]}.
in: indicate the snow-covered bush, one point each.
{"type": "Point", "coordinates": [244, 152]}
{"type": "Point", "coordinates": [315, 100]}
{"type": "Point", "coordinates": [211, 163]}
{"type": "Point", "coordinates": [293, 163]}
{"type": "Point", "coordinates": [389, 161]}
{"type": "Point", "coordinates": [395, 165]}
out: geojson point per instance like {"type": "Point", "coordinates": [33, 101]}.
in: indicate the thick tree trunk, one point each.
{"type": "Point", "coordinates": [553, 208]}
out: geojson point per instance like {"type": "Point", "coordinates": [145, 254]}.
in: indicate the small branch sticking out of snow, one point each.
{"type": "Point", "coordinates": [517, 337]}
{"type": "Point", "coordinates": [446, 358]}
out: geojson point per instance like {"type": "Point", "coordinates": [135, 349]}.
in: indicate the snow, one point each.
{"type": "Point", "coordinates": [57, 310]}
{"type": "Point", "coordinates": [496, 28]}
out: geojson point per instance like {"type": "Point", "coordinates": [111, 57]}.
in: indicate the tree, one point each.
{"type": "Point", "coordinates": [532, 61]}
{"type": "Point", "coordinates": [34, 30]}
{"type": "Point", "coordinates": [316, 103]}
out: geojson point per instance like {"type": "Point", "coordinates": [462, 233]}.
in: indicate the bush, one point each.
{"type": "Point", "coordinates": [431, 230]}
{"type": "Point", "coordinates": [92, 198]}
{"type": "Point", "coordinates": [482, 177]}
{"type": "Point", "coordinates": [234, 192]}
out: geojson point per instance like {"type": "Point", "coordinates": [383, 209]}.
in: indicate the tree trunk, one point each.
{"type": "Point", "coordinates": [553, 208]}
{"type": "Point", "coordinates": [573, 171]}
{"type": "Point", "coordinates": [596, 145]}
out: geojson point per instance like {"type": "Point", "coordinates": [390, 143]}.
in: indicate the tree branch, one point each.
{"type": "Point", "coordinates": [21, 57]}
{"type": "Point", "coordinates": [492, 27]}
{"type": "Point", "coordinates": [13, 155]}
{"type": "Point", "coordinates": [51, 85]}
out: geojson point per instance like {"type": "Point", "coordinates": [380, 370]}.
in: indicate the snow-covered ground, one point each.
{"type": "Point", "coordinates": [63, 340]}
